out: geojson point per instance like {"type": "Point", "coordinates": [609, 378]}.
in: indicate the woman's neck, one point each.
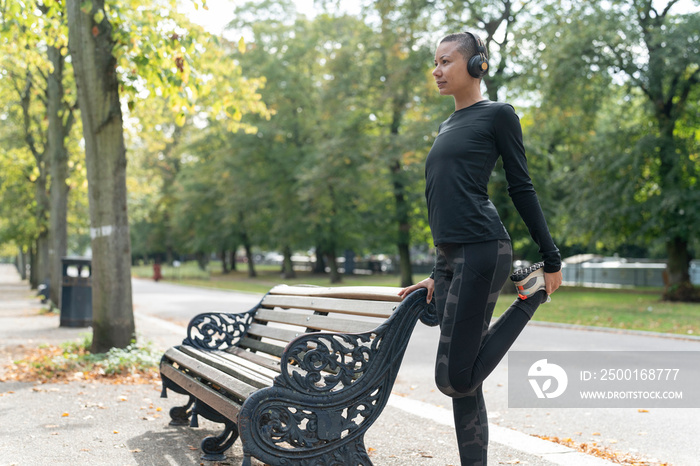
{"type": "Point", "coordinates": [468, 99]}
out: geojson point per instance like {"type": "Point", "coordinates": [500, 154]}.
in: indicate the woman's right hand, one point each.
{"type": "Point", "coordinates": [428, 284]}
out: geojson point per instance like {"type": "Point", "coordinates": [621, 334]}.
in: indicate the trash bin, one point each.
{"type": "Point", "coordinates": [76, 292]}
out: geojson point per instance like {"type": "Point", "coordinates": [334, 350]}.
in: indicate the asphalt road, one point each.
{"type": "Point", "coordinates": [661, 435]}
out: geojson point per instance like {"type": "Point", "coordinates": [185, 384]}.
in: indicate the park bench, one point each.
{"type": "Point", "coordinates": [301, 376]}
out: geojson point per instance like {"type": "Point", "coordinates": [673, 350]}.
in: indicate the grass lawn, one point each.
{"type": "Point", "coordinates": [623, 309]}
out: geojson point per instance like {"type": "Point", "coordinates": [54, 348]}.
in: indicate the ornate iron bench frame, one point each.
{"type": "Point", "coordinates": [330, 389]}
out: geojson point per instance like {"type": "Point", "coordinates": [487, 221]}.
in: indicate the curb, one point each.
{"type": "Point", "coordinates": [549, 451]}
{"type": "Point", "coordinates": [621, 331]}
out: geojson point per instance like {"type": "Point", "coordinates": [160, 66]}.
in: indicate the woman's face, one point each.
{"type": "Point", "coordinates": [450, 73]}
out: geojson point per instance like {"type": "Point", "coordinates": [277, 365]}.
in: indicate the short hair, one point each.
{"type": "Point", "coordinates": [466, 44]}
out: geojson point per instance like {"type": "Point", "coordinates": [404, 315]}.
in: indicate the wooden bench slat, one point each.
{"type": "Point", "coordinates": [261, 346]}
{"type": "Point", "coordinates": [272, 364]}
{"type": "Point", "coordinates": [273, 332]}
{"type": "Point", "coordinates": [317, 322]}
{"type": "Point", "coordinates": [246, 373]}
{"type": "Point", "coordinates": [225, 406]}
{"type": "Point", "coordinates": [374, 293]}
{"type": "Point", "coordinates": [358, 308]}
{"type": "Point", "coordinates": [237, 387]}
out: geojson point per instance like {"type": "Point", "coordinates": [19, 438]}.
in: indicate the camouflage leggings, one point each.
{"type": "Point", "coordinates": [468, 280]}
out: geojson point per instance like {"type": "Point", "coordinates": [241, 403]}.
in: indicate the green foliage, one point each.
{"type": "Point", "coordinates": [618, 122]}
{"type": "Point", "coordinates": [76, 356]}
{"type": "Point", "coordinates": [27, 36]}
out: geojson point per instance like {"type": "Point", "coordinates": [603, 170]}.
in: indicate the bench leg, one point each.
{"type": "Point", "coordinates": [215, 446]}
{"type": "Point", "coordinates": [180, 415]}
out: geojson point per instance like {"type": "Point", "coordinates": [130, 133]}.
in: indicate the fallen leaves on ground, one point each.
{"type": "Point", "coordinates": [594, 449]}
{"type": "Point", "coordinates": [50, 364]}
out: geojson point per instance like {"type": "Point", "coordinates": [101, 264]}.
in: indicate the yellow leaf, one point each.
{"type": "Point", "coordinates": [99, 16]}
{"type": "Point", "coordinates": [241, 45]}
{"type": "Point", "coordinates": [642, 410]}
{"type": "Point", "coordinates": [115, 431]}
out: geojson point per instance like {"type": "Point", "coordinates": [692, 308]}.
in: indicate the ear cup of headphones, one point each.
{"type": "Point", "coordinates": [478, 66]}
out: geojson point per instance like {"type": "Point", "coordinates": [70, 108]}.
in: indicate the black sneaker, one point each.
{"type": "Point", "coordinates": [529, 280]}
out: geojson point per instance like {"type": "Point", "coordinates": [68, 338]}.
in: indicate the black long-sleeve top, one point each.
{"type": "Point", "coordinates": [457, 171]}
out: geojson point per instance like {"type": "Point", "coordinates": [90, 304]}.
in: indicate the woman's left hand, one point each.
{"type": "Point", "coordinates": [552, 281]}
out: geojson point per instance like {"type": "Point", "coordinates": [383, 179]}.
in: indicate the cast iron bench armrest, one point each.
{"type": "Point", "coordinates": [218, 330]}
{"type": "Point", "coordinates": [331, 389]}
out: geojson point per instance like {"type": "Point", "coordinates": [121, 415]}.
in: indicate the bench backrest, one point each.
{"type": "Point", "coordinates": [289, 311]}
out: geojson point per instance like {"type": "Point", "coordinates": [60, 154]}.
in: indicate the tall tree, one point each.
{"type": "Point", "coordinates": [667, 79]}
{"type": "Point", "coordinates": [400, 72]}
{"type": "Point", "coordinates": [60, 122]}
{"type": "Point", "coordinates": [635, 181]}
{"type": "Point", "coordinates": [35, 39]}
{"type": "Point", "coordinates": [94, 65]}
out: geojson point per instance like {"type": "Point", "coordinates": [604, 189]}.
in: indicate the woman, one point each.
{"type": "Point", "coordinates": [473, 248]}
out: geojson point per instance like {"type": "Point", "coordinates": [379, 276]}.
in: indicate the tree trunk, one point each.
{"type": "Point", "coordinates": [250, 259]}
{"type": "Point", "coordinates": [105, 158]}
{"type": "Point", "coordinates": [232, 259]}
{"type": "Point", "coordinates": [678, 261]}
{"type": "Point", "coordinates": [33, 281]}
{"type": "Point", "coordinates": [42, 256]}
{"type": "Point", "coordinates": [202, 261]}
{"type": "Point", "coordinates": [247, 246]}
{"type": "Point", "coordinates": [320, 264]}
{"type": "Point", "coordinates": [333, 265]}
{"type": "Point", "coordinates": [224, 266]}
{"type": "Point", "coordinates": [403, 242]}
{"type": "Point", "coordinates": [678, 285]}
{"type": "Point", "coordinates": [41, 264]}
{"type": "Point", "coordinates": [22, 263]}
{"type": "Point", "coordinates": [58, 167]}
{"type": "Point", "coordinates": [287, 265]}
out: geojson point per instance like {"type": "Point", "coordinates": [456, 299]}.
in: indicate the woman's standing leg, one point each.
{"type": "Point", "coordinates": [472, 427]}
{"type": "Point", "coordinates": [450, 278]}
